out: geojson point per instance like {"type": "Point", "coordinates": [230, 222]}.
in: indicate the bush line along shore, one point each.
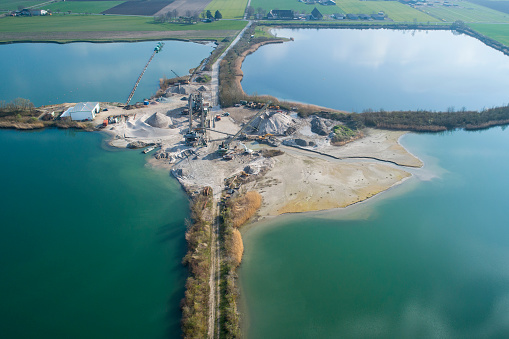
{"type": "Point", "coordinates": [195, 305]}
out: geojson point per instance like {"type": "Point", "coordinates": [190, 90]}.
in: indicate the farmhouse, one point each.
{"type": "Point", "coordinates": [82, 111]}
{"type": "Point", "coordinates": [316, 15]}
{"type": "Point", "coordinates": [284, 14]}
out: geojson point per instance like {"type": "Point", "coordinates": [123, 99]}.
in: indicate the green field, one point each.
{"type": "Point", "coordinates": [467, 12]}
{"type": "Point", "coordinates": [230, 9]}
{"type": "Point", "coordinates": [81, 6]}
{"type": "Point", "coordinates": [395, 10]}
{"type": "Point", "coordinates": [499, 32]}
{"type": "Point", "coordinates": [12, 5]}
{"type": "Point", "coordinates": [98, 23]}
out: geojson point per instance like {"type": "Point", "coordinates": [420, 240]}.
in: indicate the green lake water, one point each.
{"type": "Point", "coordinates": [91, 240]}
{"type": "Point", "coordinates": [426, 260]}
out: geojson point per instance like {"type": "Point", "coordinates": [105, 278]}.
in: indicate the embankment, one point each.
{"type": "Point", "coordinates": [29, 125]}
{"type": "Point", "coordinates": [195, 305]}
{"type": "Point", "coordinates": [234, 214]}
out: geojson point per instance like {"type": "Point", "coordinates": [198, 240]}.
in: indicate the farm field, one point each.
{"type": "Point", "coordinates": [12, 5]}
{"type": "Point", "coordinates": [395, 10]}
{"type": "Point", "coordinates": [81, 6]}
{"type": "Point", "coordinates": [498, 5]}
{"type": "Point", "coordinates": [467, 12]}
{"type": "Point", "coordinates": [499, 32]}
{"type": "Point", "coordinates": [138, 8]}
{"type": "Point", "coordinates": [300, 7]}
{"type": "Point", "coordinates": [98, 23]}
{"type": "Point", "coordinates": [230, 9]}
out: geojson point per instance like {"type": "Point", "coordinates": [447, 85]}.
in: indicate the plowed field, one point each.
{"type": "Point", "coordinates": [138, 7]}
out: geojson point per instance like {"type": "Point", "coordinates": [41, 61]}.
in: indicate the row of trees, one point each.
{"type": "Point", "coordinates": [175, 16]}
{"type": "Point", "coordinates": [260, 12]}
{"type": "Point", "coordinates": [423, 121]}
{"type": "Point", "coordinates": [18, 105]}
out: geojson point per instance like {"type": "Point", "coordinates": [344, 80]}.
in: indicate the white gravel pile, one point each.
{"type": "Point", "coordinates": [159, 120]}
{"type": "Point", "coordinates": [276, 123]}
{"type": "Point", "coordinates": [140, 129]}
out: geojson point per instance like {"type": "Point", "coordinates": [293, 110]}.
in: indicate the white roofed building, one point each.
{"type": "Point", "coordinates": [82, 111]}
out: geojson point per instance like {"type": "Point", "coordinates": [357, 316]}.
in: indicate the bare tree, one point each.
{"type": "Point", "coordinates": [250, 11]}
{"type": "Point", "coordinates": [261, 12]}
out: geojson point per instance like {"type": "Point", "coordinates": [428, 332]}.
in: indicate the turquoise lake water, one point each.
{"type": "Point", "coordinates": [53, 73]}
{"type": "Point", "coordinates": [91, 240]}
{"type": "Point", "coordinates": [426, 260]}
{"type": "Point", "coordinates": [355, 70]}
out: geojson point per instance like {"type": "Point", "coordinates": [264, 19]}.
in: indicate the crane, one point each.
{"type": "Point", "coordinates": [157, 49]}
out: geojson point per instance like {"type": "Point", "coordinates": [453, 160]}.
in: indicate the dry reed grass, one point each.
{"type": "Point", "coordinates": [238, 246]}
{"type": "Point", "coordinates": [244, 207]}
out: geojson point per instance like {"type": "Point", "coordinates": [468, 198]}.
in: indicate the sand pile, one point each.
{"type": "Point", "coordinates": [159, 120]}
{"type": "Point", "coordinates": [140, 129]}
{"type": "Point", "coordinates": [277, 123]}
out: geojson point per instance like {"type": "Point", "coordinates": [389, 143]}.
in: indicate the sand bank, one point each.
{"type": "Point", "coordinates": [299, 183]}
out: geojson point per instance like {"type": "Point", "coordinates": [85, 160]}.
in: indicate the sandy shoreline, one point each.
{"type": "Point", "coordinates": [304, 182]}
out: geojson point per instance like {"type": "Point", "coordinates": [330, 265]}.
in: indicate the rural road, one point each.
{"type": "Point", "coordinates": [215, 70]}
{"type": "Point", "coordinates": [214, 280]}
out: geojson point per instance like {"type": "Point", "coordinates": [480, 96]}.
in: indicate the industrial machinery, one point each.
{"type": "Point", "coordinates": [225, 145]}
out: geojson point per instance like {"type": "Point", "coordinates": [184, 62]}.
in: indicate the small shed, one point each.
{"type": "Point", "coordinates": [38, 12]}
{"type": "Point", "coordinates": [82, 111]}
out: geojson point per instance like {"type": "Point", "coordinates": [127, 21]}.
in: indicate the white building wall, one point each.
{"type": "Point", "coordinates": [82, 115]}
